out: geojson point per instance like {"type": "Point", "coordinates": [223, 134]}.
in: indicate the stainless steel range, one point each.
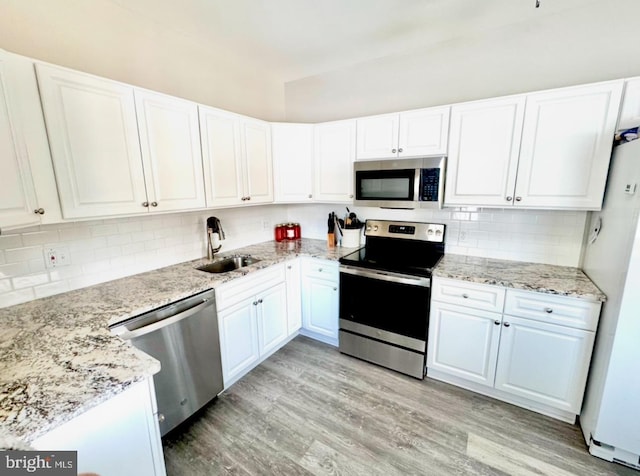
{"type": "Point", "coordinates": [385, 289]}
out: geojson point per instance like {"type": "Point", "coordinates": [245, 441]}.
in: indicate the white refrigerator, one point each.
{"type": "Point", "coordinates": [610, 417]}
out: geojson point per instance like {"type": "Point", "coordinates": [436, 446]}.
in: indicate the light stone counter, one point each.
{"type": "Point", "coordinates": [542, 278]}
{"type": "Point", "coordinates": [58, 358]}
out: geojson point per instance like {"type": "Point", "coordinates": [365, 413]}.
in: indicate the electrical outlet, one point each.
{"type": "Point", "coordinates": [462, 236]}
{"type": "Point", "coordinates": [55, 257]}
{"type": "Point", "coordinates": [266, 224]}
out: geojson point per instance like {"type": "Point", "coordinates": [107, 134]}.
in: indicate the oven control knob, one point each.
{"type": "Point", "coordinates": [438, 233]}
{"type": "Point", "coordinates": [375, 227]}
{"type": "Point", "coordinates": [429, 232]}
{"type": "Point", "coordinates": [369, 228]}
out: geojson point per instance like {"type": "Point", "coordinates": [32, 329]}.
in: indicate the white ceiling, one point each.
{"type": "Point", "coordinates": [292, 39]}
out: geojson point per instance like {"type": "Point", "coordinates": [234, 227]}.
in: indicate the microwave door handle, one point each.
{"type": "Point", "coordinates": [443, 172]}
{"type": "Point", "coordinates": [416, 185]}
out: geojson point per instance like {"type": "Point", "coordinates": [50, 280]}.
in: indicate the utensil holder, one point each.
{"type": "Point", "coordinates": [351, 237]}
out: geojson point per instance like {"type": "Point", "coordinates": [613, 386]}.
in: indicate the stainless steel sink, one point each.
{"type": "Point", "coordinates": [228, 264]}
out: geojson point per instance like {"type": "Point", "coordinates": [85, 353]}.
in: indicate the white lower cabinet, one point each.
{"type": "Point", "coordinates": [294, 296]}
{"type": "Point", "coordinates": [118, 436]}
{"type": "Point", "coordinates": [320, 299]}
{"type": "Point", "coordinates": [238, 339]}
{"type": "Point", "coordinates": [464, 342]}
{"type": "Point", "coordinates": [252, 317]}
{"type": "Point", "coordinates": [544, 362]}
{"type": "Point", "coordinates": [271, 307]}
{"type": "Point", "coordinates": [534, 351]}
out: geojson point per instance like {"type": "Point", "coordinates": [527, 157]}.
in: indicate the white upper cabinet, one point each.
{"type": "Point", "coordinates": [27, 195]}
{"type": "Point", "coordinates": [484, 143]}
{"type": "Point", "coordinates": [630, 110]}
{"type": "Point", "coordinates": [404, 135]}
{"type": "Point", "coordinates": [377, 137]}
{"type": "Point", "coordinates": [559, 160]}
{"type": "Point", "coordinates": [237, 158]}
{"type": "Point", "coordinates": [566, 146]}
{"type": "Point", "coordinates": [170, 144]}
{"type": "Point", "coordinates": [292, 162]}
{"type": "Point", "coordinates": [334, 154]}
{"type": "Point", "coordinates": [257, 162]}
{"type": "Point", "coordinates": [222, 156]}
{"type": "Point", "coordinates": [424, 132]}
{"type": "Point", "coordinates": [94, 142]}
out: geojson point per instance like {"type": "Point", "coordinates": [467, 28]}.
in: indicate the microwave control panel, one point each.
{"type": "Point", "coordinates": [429, 184]}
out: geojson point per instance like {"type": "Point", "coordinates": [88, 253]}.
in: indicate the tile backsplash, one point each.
{"type": "Point", "coordinates": [540, 236]}
{"type": "Point", "coordinates": [102, 250]}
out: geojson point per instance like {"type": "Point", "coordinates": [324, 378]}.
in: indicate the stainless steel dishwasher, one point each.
{"type": "Point", "coordinates": [183, 336]}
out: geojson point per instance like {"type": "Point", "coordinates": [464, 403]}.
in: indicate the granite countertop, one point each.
{"type": "Point", "coordinates": [59, 359]}
{"type": "Point", "coordinates": [543, 278]}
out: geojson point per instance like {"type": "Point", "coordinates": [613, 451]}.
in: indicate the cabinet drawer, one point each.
{"type": "Point", "coordinates": [463, 293]}
{"type": "Point", "coordinates": [239, 289]}
{"type": "Point", "coordinates": [320, 268]}
{"type": "Point", "coordinates": [560, 310]}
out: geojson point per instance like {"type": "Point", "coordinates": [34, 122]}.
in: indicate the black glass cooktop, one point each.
{"type": "Point", "coordinates": [416, 262]}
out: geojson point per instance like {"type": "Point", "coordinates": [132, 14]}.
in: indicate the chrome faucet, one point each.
{"type": "Point", "coordinates": [213, 227]}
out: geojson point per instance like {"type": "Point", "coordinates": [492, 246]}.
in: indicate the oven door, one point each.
{"type": "Point", "coordinates": [385, 306]}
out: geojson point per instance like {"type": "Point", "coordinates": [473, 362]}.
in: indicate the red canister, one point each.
{"type": "Point", "coordinates": [297, 231]}
{"type": "Point", "coordinates": [290, 231]}
{"type": "Point", "coordinates": [280, 232]}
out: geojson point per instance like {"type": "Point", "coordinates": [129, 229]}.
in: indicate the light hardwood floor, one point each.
{"type": "Point", "coordinates": [310, 410]}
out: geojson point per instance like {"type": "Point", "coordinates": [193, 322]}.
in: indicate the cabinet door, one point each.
{"type": "Point", "coordinates": [294, 297]}
{"type": "Point", "coordinates": [630, 109]}
{"type": "Point", "coordinates": [239, 346]}
{"type": "Point", "coordinates": [484, 144]}
{"type": "Point", "coordinates": [93, 134]}
{"type": "Point", "coordinates": [377, 137]}
{"type": "Point", "coordinates": [258, 167]}
{"type": "Point", "coordinates": [544, 362]}
{"type": "Point", "coordinates": [170, 143]}
{"type": "Point", "coordinates": [463, 342]}
{"type": "Point", "coordinates": [423, 132]}
{"type": "Point", "coordinates": [272, 318]}
{"type": "Point", "coordinates": [292, 162]}
{"type": "Point", "coordinates": [222, 157]}
{"type": "Point", "coordinates": [566, 146]}
{"type": "Point", "coordinates": [17, 193]}
{"type": "Point", "coordinates": [334, 153]}
{"type": "Point", "coordinates": [125, 424]}
{"type": "Point", "coordinates": [320, 306]}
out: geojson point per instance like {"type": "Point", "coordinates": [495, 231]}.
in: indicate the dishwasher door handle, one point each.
{"type": "Point", "coordinates": [123, 332]}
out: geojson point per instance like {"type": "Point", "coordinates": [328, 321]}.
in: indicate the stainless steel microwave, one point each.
{"type": "Point", "coordinates": [413, 183]}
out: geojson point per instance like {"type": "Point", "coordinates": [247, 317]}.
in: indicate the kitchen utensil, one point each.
{"type": "Point", "coordinates": [331, 224]}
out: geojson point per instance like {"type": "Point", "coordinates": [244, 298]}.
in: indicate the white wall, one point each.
{"type": "Point", "coordinates": [103, 250]}
{"type": "Point", "coordinates": [104, 38]}
{"type": "Point", "coordinates": [596, 42]}
{"type": "Point", "coordinates": [540, 236]}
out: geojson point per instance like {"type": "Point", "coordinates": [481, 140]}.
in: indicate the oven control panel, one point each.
{"type": "Point", "coordinates": [402, 229]}
{"type": "Point", "coordinates": [433, 232]}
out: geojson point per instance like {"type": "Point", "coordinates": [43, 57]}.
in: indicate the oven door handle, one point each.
{"type": "Point", "coordinates": [387, 276]}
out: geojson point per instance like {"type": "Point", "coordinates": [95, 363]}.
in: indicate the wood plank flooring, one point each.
{"type": "Point", "coordinates": [310, 410]}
